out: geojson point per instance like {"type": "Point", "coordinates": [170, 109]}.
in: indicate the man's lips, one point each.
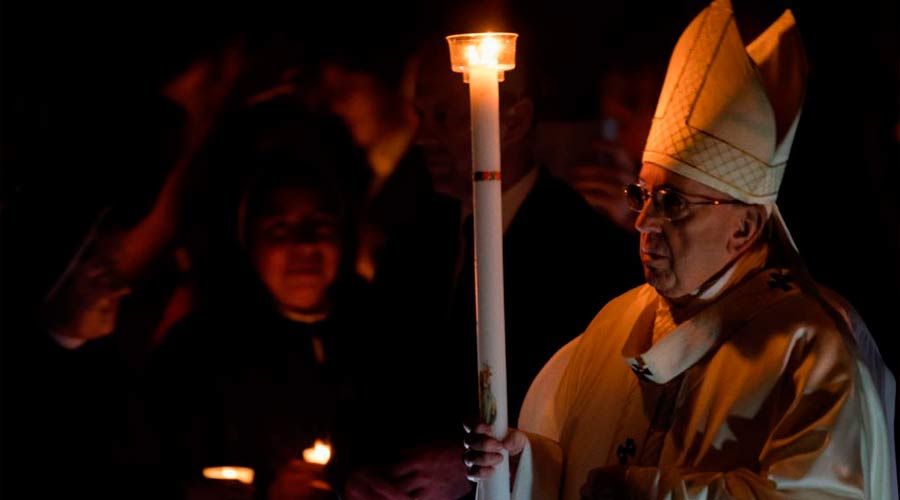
{"type": "Point", "coordinates": [652, 255]}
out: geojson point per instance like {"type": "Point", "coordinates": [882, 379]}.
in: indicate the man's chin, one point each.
{"type": "Point", "coordinates": [303, 299]}
{"type": "Point", "coordinates": [661, 281]}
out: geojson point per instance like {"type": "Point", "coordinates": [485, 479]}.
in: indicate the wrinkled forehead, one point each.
{"type": "Point", "coordinates": [653, 175]}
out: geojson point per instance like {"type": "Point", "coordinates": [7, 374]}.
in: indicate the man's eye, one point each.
{"type": "Point", "coordinates": [673, 201]}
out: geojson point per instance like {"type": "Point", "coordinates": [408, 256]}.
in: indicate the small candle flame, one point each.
{"type": "Point", "coordinates": [242, 474]}
{"type": "Point", "coordinates": [486, 53]}
{"type": "Point", "coordinates": [320, 453]}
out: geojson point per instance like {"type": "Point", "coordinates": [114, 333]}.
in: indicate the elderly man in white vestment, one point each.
{"type": "Point", "coordinates": [731, 374]}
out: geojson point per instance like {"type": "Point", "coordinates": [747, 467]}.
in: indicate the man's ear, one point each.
{"type": "Point", "coordinates": [751, 220]}
{"type": "Point", "coordinates": [516, 121]}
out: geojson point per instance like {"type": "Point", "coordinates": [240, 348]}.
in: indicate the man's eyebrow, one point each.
{"type": "Point", "coordinates": [658, 186]}
{"type": "Point", "coordinates": [668, 186]}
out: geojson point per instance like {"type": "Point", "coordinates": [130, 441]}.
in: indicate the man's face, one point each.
{"type": "Point", "coordinates": [441, 100]}
{"type": "Point", "coordinates": [679, 256]}
{"type": "Point", "coordinates": [358, 100]}
{"type": "Point", "coordinates": [296, 249]}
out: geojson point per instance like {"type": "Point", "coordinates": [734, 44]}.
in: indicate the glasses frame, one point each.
{"type": "Point", "coordinates": [655, 197]}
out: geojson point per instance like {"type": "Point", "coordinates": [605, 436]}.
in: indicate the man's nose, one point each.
{"type": "Point", "coordinates": [648, 220]}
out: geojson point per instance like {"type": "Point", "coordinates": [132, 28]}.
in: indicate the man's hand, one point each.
{"type": "Point", "coordinates": [372, 484]}
{"type": "Point", "coordinates": [203, 88]}
{"type": "Point", "coordinates": [600, 182]}
{"type": "Point", "coordinates": [86, 305]}
{"type": "Point", "coordinates": [605, 483]}
{"type": "Point", "coordinates": [432, 472]}
{"type": "Point", "coordinates": [484, 452]}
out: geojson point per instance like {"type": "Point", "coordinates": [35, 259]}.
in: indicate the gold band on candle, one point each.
{"type": "Point", "coordinates": [493, 175]}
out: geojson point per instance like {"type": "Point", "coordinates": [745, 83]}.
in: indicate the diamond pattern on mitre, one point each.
{"type": "Point", "coordinates": [672, 136]}
{"type": "Point", "coordinates": [783, 69]}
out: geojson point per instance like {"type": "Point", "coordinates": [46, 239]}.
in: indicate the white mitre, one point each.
{"type": "Point", "coordinates": [727, 113]}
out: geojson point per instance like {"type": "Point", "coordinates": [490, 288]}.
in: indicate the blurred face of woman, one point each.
{"type": "Point", "coordinates": [296, 249]}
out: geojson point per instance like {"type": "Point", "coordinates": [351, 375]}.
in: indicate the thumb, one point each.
{"type": "Point", "coordinates": [515, 442]}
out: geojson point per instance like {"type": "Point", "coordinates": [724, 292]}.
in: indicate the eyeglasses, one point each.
{"type": "Point", "coordinates": [669, 203]}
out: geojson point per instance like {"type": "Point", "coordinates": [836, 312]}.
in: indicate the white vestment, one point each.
{"type": "Point", "coordinates": [765, 393]}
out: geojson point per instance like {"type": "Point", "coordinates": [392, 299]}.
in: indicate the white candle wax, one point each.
{"type": "Point", "coordinates": [482, 58]}
{"type": "Point", "coordinates": [487, 200]}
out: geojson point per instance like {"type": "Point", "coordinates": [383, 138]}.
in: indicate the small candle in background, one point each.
{"type": "Point", "coordinates": [320, 453]}
{"type": "Point", "coordinates": [228, 473]}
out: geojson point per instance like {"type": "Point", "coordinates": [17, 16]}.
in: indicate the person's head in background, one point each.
{"type": "Point", "coordinates": [441, 100]}
{"type": "Point", "coordinates": [296, 217]}
{"type": "Point", "coordinates": [294, 240]}
{"type": "Point", "coordinates": [627, 92]}
{"type": "Point", "coordinates": [368, 87]}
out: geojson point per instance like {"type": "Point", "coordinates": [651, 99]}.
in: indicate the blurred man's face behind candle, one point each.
{"type": "Point", "coordinates": [295, 248]}
{"type": "Point", "coordinates": [441, 100]}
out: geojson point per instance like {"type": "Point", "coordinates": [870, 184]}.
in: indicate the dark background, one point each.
{"type": "Point", "coordinates": [80, 112]}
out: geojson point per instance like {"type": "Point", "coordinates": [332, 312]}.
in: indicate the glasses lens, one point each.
{"type": "Point", "coordinates": [671, 204]}
{"type": "Point", "coordinates": [634, 195]}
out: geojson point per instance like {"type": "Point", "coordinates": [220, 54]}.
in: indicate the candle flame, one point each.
{"type": "Point", "coordinates": [490, 51]}
{"type": "Point", "coordinates": [320, 453]}
{"type": "Point", "coordinates": [242, 474]}
{"type": "Point", "coordinates": [486, 53]}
